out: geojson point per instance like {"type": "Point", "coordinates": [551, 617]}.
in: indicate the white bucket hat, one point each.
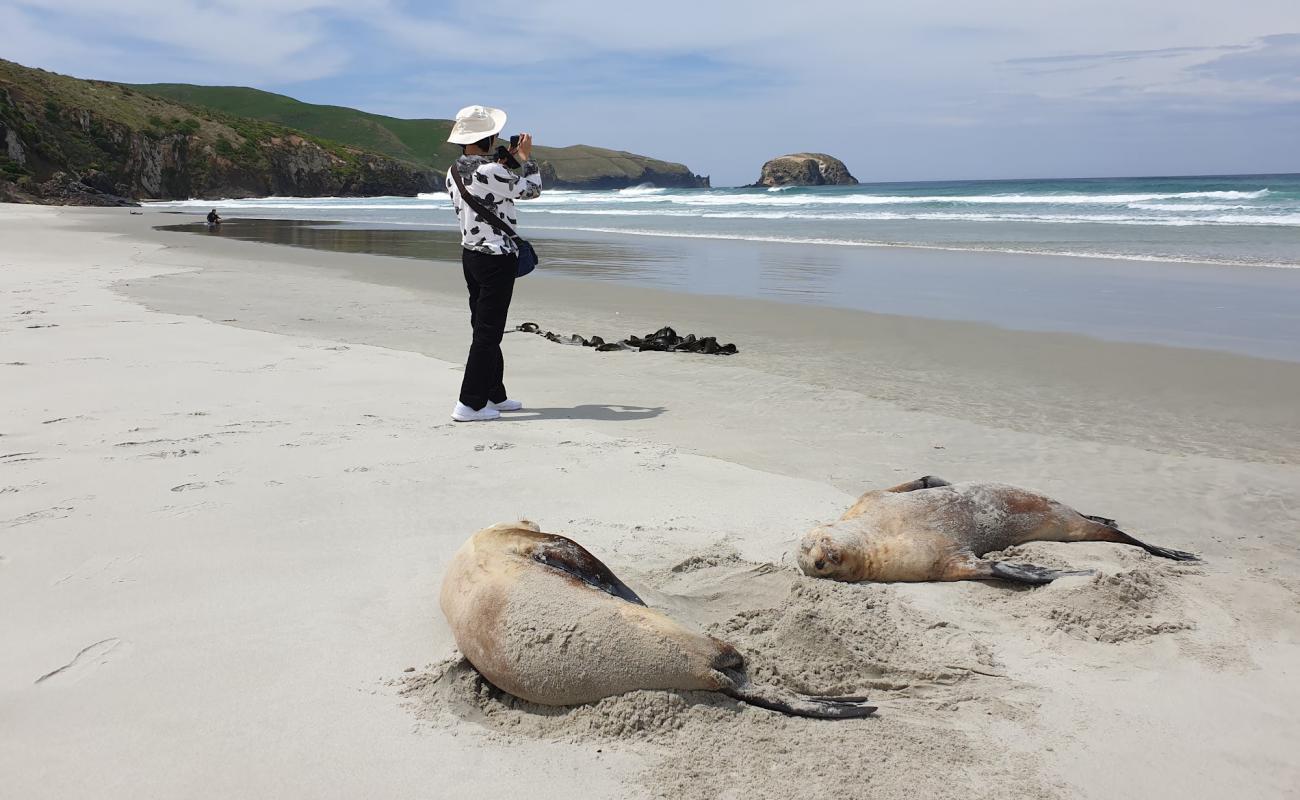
{"type": "Point", "coordinates": [476, 122]}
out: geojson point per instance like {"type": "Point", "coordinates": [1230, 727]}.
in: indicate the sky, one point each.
{"type": "Point", "coordinates": [919, 90]}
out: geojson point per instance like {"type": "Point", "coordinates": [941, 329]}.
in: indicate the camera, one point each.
{"type": "Point", "coordinates": [504, 155]}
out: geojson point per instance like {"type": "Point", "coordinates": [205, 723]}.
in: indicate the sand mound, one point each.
{"type": "Point", "coordinates": [1124, 607]}
{"type": "Point", "coordinates": [1135, 600]}
{"type": "Point", "coordinates": [723, 557]}
{"type": "Point", "coordinates": [836, 638]}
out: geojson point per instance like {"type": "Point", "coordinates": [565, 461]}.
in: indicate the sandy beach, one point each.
{"type": "Point", "coordinates": [229, 490]}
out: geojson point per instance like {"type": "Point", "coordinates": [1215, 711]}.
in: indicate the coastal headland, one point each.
{"type": "Point", "coordinates": [70, 141]}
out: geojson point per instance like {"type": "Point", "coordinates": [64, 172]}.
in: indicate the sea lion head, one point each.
{"type": "Point", "coordinates": [824, 554]}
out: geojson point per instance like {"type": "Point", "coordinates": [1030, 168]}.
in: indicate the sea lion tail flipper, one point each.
{"type": "Point", "coordinates": [1110, 533]}
{"type": "Point", "coordinates": [1107, 521]}
{"type": "Point", "coordinates": [798, 705]}
{"type": "Point", "coordinates": [1167, 552]}
{"type": "Point", "coordinates": [1170, 553]}
{"type": "Point", "coordinates": [1028, 573]}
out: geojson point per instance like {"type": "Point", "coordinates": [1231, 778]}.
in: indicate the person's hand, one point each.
{"type": "Point", "coordinates": [524, 151]}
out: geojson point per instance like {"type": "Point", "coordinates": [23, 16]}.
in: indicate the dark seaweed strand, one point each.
{"type": "Point", "coordinates": [664, 340]}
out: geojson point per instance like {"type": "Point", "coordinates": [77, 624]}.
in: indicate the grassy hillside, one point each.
{"type": "Point", "coordinates": [423, 141]}
{"type": "Point", "coordinates": [112, 139]}
{"type": "Point", "coordinates": [420, 141]}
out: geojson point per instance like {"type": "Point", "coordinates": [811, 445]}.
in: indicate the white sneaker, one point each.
{"type": "Point", "coordinates": [464, 413]}
{"type": "Point", "coordinates": [506, 405]}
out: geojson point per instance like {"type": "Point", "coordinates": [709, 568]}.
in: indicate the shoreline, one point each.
{"type": "Point", "coordinates": [229, 551]}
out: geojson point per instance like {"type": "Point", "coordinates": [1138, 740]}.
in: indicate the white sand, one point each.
{"type": "Point", "coordinates": [220, 549]}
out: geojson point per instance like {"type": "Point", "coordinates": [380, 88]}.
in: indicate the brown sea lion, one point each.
{"type": "Point", "coordinates": [544, 620]}
{"type": "Point", "coordinates": [931, 530]}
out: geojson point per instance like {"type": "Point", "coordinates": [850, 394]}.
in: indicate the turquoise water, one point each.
{"type": "Point", "coordinates": [1236, 220]}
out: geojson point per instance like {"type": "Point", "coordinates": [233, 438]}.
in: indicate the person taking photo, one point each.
{"type": "Point", "coordinates": [489, 255]}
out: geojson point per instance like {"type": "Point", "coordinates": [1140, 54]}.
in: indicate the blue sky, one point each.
{"type": "Point", "coordinates": [925, 90]}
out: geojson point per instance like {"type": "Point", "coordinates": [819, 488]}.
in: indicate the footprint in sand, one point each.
{"type": "Point", "coordinates": [18, 458]}
{"type": "Point", "coordinates": [114, 569]}
{"type": "Point", "coordinates": [183, 453]}
{"type": "Point", "coordinates": [91, 657]}
{"type": "Point", "coordinates": [189, 487]}
{"type": "Point", "coordinates": [254, 423]}
{"type": "Point", "coordinates": [57, 512]}
{"type": "Point", "coordinates": [188, 510]}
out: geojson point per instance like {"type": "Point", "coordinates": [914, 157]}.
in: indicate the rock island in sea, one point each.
{"type": "Point", "coordinates": [805, 169]}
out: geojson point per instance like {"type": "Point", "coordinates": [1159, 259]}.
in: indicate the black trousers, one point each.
{"type": "Point", "coordinates": [491, 283]}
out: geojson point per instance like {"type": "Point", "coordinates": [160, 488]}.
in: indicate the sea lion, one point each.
{"type": "Point", "coordinates": [544, 620]}
{"type": "Point", "coordinates": [931, 530]}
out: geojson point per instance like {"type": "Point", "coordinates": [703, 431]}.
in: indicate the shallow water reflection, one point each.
{"type": "Point", "coordinates": [593, 260]}
{"type": "Point", "coordinates": [1250, 310]}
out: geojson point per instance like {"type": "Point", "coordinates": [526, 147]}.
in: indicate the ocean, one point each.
{"type": "Point", "coordinates": [1207, 262]}
{"type": "Point", "coordinates": [1239, 220]}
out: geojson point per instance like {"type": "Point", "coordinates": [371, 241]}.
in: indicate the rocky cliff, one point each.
{"type": "Point", "coordinates": [65, 140]}
{"type": "Point", "coordinates": [805, 169]}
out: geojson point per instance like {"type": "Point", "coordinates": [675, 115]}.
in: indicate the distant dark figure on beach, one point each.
{"type": "Point", "coordinates": [489, 255]}
{"type": "Point", "coordinates": [214, 219]}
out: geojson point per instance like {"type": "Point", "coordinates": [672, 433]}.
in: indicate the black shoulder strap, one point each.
{"type": "Point", "coordinates": [482, 210]}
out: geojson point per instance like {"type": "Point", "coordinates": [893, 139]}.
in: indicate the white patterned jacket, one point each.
{"type": "Point", "coordinates": [498, 188]}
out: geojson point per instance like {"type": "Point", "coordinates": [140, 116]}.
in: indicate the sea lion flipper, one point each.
{"type": "Point", "coordinates": [572, 558]}
{"type": "Point", "coordinates": [923, 482]}
{"type": "Point", "coordinates": [1028, 573]}
{"type": "Point", "coordinates": [798, 705]}
{"type": "Point", "coordinates": [1105, 531]}
{"type": "Point", "coordinates": [1165, 552]}
{"type": "Point", "coordinates": [874, 496]}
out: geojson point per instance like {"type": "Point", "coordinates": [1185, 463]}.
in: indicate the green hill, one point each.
{"type": "Point", "coordinates": [424, 141]}
{"type": "Point", "coordinates": [65, 139]}
{"type": "Point", "coordinates": [420, 141]}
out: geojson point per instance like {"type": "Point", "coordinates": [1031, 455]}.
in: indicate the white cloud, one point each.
{"type": "Point", "coordinates": [216, 42]}
{"type": "Point", "coordinates": [895, 79]}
